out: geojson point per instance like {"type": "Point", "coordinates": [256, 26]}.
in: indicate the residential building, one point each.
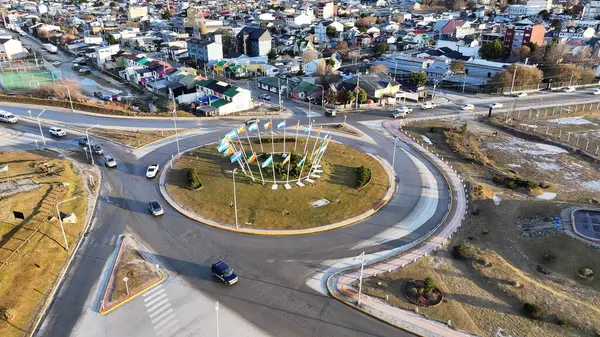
{"type": "Point", "coordinates": [523, 10]}
{"type": "Point", "coordinates": [221, 98]}
{"type": "Point", "coordinates": [523, 33]}
{"type": "Point", "coordinates": [307, 91]}
{"type": "Point", "coordinates": [574, 32]}
{"type": "Point", "coordinates": [136, 12]}
{"type": "Point", "coordinates": [105, 53]}
{"type": "Point", "coordinates": [376, 85]}
{"type": "Point", "coordinates": [205, 50]}
{"type": "Point", "coordinates": [297, 20]}
{"type": "Point", "coordinates": [254, 41]}
{"type": "Point", "coordinates": [326, 10]}
{"type": "Point", "coordinates": [591, 10]}
{"type": "Point", "coordinates": [455, 29]}
{"type": "Point", "coordinates": [10, 49]}
{"type": "Point", "coordinates": [484, 69]}
{"type": "Point", "coordinates": [321, 31]}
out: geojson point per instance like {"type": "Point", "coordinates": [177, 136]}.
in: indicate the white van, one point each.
{"type": "Point", "coordinates": [7, 117]}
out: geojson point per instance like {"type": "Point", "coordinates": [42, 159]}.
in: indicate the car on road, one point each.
{"type": "Point", "coordinates": [405, 109]}
{"type": "Point", "coordinates": [58, 132]}
{"type": "Point", "coordinates": [84, 70]}
{"type": "Point", "coordinates": [569, 89]}
{"type": "Point", "coordinates": [399, 114]}
{"type": "Point", "coordinates": [428, 105]}
{"type": "Point", "coordinates": [265, 97]}
{"type": "Point", "coordinates": [467, 107]}
{"type": "Point", "coordinates": [79, 60]}
{"type": "Point", "coordinates": [109, 161]}
{"type": "Point", "coordinates": [252, 120]}
{"type": "Point", "coordinates": [7, 117]}
{"type": "Point", "coordinates": [495, 105]}
{"type": "Point", "coordinates": [330, 112]}
{"type": "Point", "coordinates": [224, 273]}
{"type": "Point", "coordinates": [155, 208]}
{"type": "Point", "coordinates": [97, 150]}
{"type": "Point", "coordinates": [83, 141]}
{"type": "Point", "coordinates": [520, 94]}
{"type": "Point", "coordinates": [152, 170]}
{"type": "Point", "coordinates": [596, 91]}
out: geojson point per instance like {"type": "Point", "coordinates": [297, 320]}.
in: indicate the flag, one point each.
{"type": "Point", "coordinates": [308, 128]}
{"type": "Point", "coordinates": [267, 125]}
{"type": "Point", "coordinates": [326, 138]}
{"type": "Point", "coordinates": [281, 125]}
{"type": "Point", "coordinates": [228, 153]}
{"type": "Point", "coordinates": [236, 156]}
{"type": "Point", "coordinates": [242, 129]}
{"type": "Point", "coordinates": [231, 134]}
{"type": "Point", "coordinates": [297, 125]}
{"type": "Point", "coordinates": [267, 162]}
{"type": "Point", "coordinates": [318, 132]}
{"type": "Point", "coordinates": [224, 146]}
{"type": "Point", "coordinates": [324, 147]}
{"type": "Point", "coordinates": [302, 161]}
{"type": "Point", "coordinates": [253, 127]}
{"type": "Point", "coordinates": [252, 158]}
{"type": "Point", "coordinates": [285, 161]}
{"type": "Point", "coordinates": [4, 169]}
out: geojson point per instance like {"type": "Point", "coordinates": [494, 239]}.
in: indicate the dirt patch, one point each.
{"type": "Point", "coordinates": [133, 138]}
{"type": "Point", "coordinates": [29, 274]}
{"type": "Point", "coordinates": [343, 128]}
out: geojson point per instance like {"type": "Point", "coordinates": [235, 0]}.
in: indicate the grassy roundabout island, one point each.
{"type": "Point", "coordinates": [260, 207]}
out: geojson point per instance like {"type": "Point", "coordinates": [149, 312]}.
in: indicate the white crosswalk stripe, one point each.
{"type": "Point", "coordinates": [162, 315]}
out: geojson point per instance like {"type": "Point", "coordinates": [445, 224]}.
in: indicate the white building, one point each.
{"type": "Point", "coordinates": [581, 33]}
{"type": "Point", "coordinates": [105, 53]}
{"type": "Point", "coordinates": [10, 48]}
{"type": "Point", "coordinates": [325, 10]}
{"type": "Point", "coordinates": [523, 10]}
{"type": "Point", "coordinates": [321, 31]}
{"type": "Point", "coordinates": [297, 20]}
{"type": "Point", "coordinates": [591, 10]}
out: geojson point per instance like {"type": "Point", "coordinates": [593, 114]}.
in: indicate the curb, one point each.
{"type": "Point", "coordinates": [112, 274]}
{"type": "Point", "coordinates": [50, 299]}
{"type": "Point", "coordinates": [193, 216]}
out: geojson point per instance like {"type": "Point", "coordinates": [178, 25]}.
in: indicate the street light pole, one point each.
{"type": "Point", "coordinates": [235, 199]}
{"type": "Point", "coordinates": [175, 125]}
{"type": "Point", "coordinates": [87, 135]}
{"type": "Point", "coordinates": [362, 265]}
{"type": "Point", "coordinates": [217, 314]}
{"type": "Point", "coordinates": [69, 93]}
{"type": "Point", "coordinates": [394, 155]}
{"type": "Point", "coordinates": [40, 125]}
{"type": "Point", "coordinates": [60, 220]}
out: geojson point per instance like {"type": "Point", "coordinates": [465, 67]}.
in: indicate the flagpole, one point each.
{"type": "Point", "coordinates": [297, 129]}
{"type": "Point", "coordinates": [304, 153]}
{"type": "Point", "coordinates": [272, 141]}
{"type": "Point", "coordinates": [316, 141]}
{"type": "Point", "coordinates": [284, 138]}
{"type": "Point", "coordinates": [319, 157]}
{"type": "Point", "coordinates": [260, 139]}
{"type": "Point", "coordinates": [231, 143]}
{"type": "Point", "coordinates": [287, 177]}
{"type": "Point", "coordinates": [244, 155]}
{"type": "Point", "coordinates": [260, 171]}
{"type": "Point", "coordinates": [302, 168]}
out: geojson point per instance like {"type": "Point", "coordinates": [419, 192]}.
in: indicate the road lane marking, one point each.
{"type": "Point", "coordinates": [166, 327]}
{"type": "Point", "coordinates": [154, 295]}
{"type": "Point", "coordinates": [153, 290]}
{"type": "Point", "coordinates": [170, 318]}
{"type": "Point", "coordinates": [163, 315]}
{"type": "Point", "coordinates": [157, 299]}
{"type": "Point", "coordinates": [161, 309]}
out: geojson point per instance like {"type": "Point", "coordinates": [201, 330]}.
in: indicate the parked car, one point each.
{"type": "Point", "coordinates": [495, 105]}
{"type": "Point", "coordinates": [56, 63]}
{"type": "Point", "coordinates": [569, 89]}
{"type": "Point", "coordinates": [265, 97]}
{"type": "Point", "coordinates": [596, 91]}
{"type": "Point", "coordinates": [79, 60]}
{"type": "Point", "coordinates": [97, 150]}
{"type": "Point", "coordinates": [109, 161]}
{"type": "Point", "coordinates": [151, 171]}
{"type": "Point", "coordinates": [399, 114]}
{"type": "Point", "coordinates": [58, 132]}
{"type": "Point", "coordinates": [155, 208]}
{"type": "Point", "coordinates": [520, 94]}
{"type": "Point", "coordinates": [405, 109]}
{"type": "Point", "coordinates": [83, 141]}
{"type": "Point", "coordinates": [98, 94]}
{"type": "Point", "coordinates": [330, 112]}
{"type": "Point", "coordinates": [428, 105]}
{"type": "Point", "coordinates": [252, 120]}
{"type": "Point", "coordinates": [224, 273]}
{"type": "Point", "coordinates": [84, 70]}
{"type": "Point", "coordinates": [467, 107]}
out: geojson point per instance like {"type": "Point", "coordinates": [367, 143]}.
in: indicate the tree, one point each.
{"type": "Point", "coordinates": [348, 97]}
{"type": "Point", "coordinates": [330, 62]}
{"type": "Point", "coordinates": [586, 58]}
{"type": "Point", "coordinates": [167, 15]}
{"type": "Point", "coordinates": [568, 72]}
{"type": "Point", "coordinates": [378, 68]}
{"type": "Point", "coordinates": [331, 31]}
{"type": "Point", "coordinates": [456, 4]}
{"type": "Point", "coordinates": [429, 3]}
{"type": "Point", "coordinates": [544, 14]}
{"type": "Point", "coordinates": [272, 54]}
{"type": "Point", "coordinates": [550, 54]}
{"type": "Point", "coordinates": [381, 48]}
{"type": "Point", "coordinates": [110, 39]}
{"type": "Point", "coordinates": [429, 285]}
{"type": "Point", "coordinates": [525, 75]}
{"type": "Point", "coordinates": [522, 52]}
{"type": "Point", "coordinates": [362, 95]}
{"type": "Point", "coordinates": [457, 66]}
{"type": "Point", "coordinates": [309, 55]}
{"type": "Point", "coordinates": [419, 78]}
{"type": "Point", "coordinates": [492, 50]}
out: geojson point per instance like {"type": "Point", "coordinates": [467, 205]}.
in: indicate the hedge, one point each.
{"type": "Point", "coordinates": [363, 176]}
{"type": "Point", "coordinates": [193, 179]}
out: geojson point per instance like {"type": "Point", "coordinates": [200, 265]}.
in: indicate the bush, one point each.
{"type": "Point", "coordinates": [532, 311]}
{"type": "Point", "coordinates": [429, 285]}
{"type": "Point", "coordinates": [564, 322]}
{"type": "Point", "coordinates": [363, 176]}
{"type": "Point", "coordinates": [587, 273]}
{"type": "Point", "coordinates": [548, 257]}
{"type": "Point", "coordinates": [462, 252]}
{"type": "Point", "coordinates": [8, 314]}
{"type": "Point", "coordinates": [193, 179]}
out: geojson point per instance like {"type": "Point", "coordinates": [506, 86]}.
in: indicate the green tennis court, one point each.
{"type": "Point", "coordinates": [26, 79]}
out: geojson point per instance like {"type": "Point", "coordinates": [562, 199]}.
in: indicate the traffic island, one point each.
{"type": "Point", "coordinates": [133, 273]}
{"type": "Point", "coordinates": [330, 199]}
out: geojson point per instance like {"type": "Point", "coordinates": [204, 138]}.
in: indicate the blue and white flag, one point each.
{"type": "Point", "coordinates": [326, 138]}
{"type": "Point", "coordinates": [267, 162]}
{"type": "Point", "coordinates": [308, 128]}
{"type": "Point", "coordinates": [223, 146]}
{"type": "Point", "coordinates": [231, 134]}
{"type": "Point", "coordinates": [324, 147]}
{"type": "Point", "coordinates": [302, 161]}
{"type": "Point", "coordinates": [236, 156]}
{"type": "Point", "coordinates": [253, 127]}
{"type": "Point", "coordinates": [281, 125]}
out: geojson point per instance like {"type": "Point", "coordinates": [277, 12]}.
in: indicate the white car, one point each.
{"type": "Point", "coordinates": [569, 89]}
{"type": "Point", "coordinates": [56, 63]}
{"type": "Point", "coordinates": [467, 107]}
{"type": "Point", "coordinates": [58, 132]}
{"type": "Point", "coordinates": [428, 105]}
{"type": "Point", "coordinates": [495, 105]}
{"type": "Point", "coordinates": [596, 91]}
{"type": "Point", "coordinates": [109, 161]}
{"type": "Point", "coordinates": [521, 94]}
{"type": "Point", "coordinates": [152, 171]}
{"type": "Point", "coordinates": [404, 109]}
{"type": "Point", "coordinates": [397, 114]}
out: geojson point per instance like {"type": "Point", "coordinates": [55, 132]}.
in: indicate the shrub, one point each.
{"type": "Point", "coordinates": [429, 285]}
{"type": "Point", "coordinates": [564, 322]}
{"type": "Point", "coordinates": [193, 179]}
{"type": "Point", "coordinates": [587, 273]}
{"type": "Point", "coordinates": [462, 252]}
{"type": "Point", "coordinates": [548, 257]}
{"type": "Point", "coordinates": [8, 314]}
{"type": "Point", "coordinates": [532, 311]}
{"type": "Point", "coordinates": [363, 176]}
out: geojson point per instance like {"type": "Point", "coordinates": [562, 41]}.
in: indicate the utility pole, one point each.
{"type": "Point", "coordinates": [279, 93]}
{"type": "Point", "coordinates": [513, 79]}
{"type": "Point", "coordinates": [62, 228]}
{"type": "Point", "coordinates": [394, 155]}
{"type": "Point", "coordinates": [571, 79]}
{"type": "Point", "coordinates": [464, 82]}
{"type": "Point", "coordinates": [234, 202]}
{"type": "Point", "coordinates": [357, 88]}
{"type": "Point", "coordinates": [362, 266]}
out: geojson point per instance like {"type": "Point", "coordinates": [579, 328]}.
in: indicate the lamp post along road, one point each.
{"type": "Point", "coordinates": [394, 155]}
{"type": "Point", "coordinates": [60, 220]}
{"type": "Point", "coordinates": [175, 125]}
{"type": "Point", "coordinates": [217, 315]}
{"type": "Point", "coordinates": [235, 199]}
{"type": "Point", "coordinates": [39, 124]}
{"type": "Point", "coordinates": [87, 135]}
{"type": "Point", "coordinates": [362, 266]}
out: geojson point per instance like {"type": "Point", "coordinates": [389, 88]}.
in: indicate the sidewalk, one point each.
{"type": "Point", "coordinates": [342, 283]}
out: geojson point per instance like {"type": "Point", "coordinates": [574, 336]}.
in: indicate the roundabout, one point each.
{"type": "Point", "coordinates": [332, 197]}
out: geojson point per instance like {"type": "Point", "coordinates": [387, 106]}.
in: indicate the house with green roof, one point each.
{"type": "Point", "coordinates": [222, 97]}
{"type": "Point", "coordinates": [307, 91]}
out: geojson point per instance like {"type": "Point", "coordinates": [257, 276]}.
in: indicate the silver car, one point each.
{"type": "Point", "coordinates": [109, 161]}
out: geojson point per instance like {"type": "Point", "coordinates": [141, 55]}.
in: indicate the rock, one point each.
{"type": "Point", "coordinates": [586, 273]}
{"type": "Point", "coordinates": [70, 218]}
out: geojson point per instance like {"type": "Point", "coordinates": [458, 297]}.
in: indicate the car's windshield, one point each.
{"type": "Point", "coordinates": [227, 272]}
{"type": "Point", "coordinates": [154, 205]}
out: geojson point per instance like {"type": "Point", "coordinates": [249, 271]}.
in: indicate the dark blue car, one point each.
{"type": "Point", "coordinates": [222, 271]}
